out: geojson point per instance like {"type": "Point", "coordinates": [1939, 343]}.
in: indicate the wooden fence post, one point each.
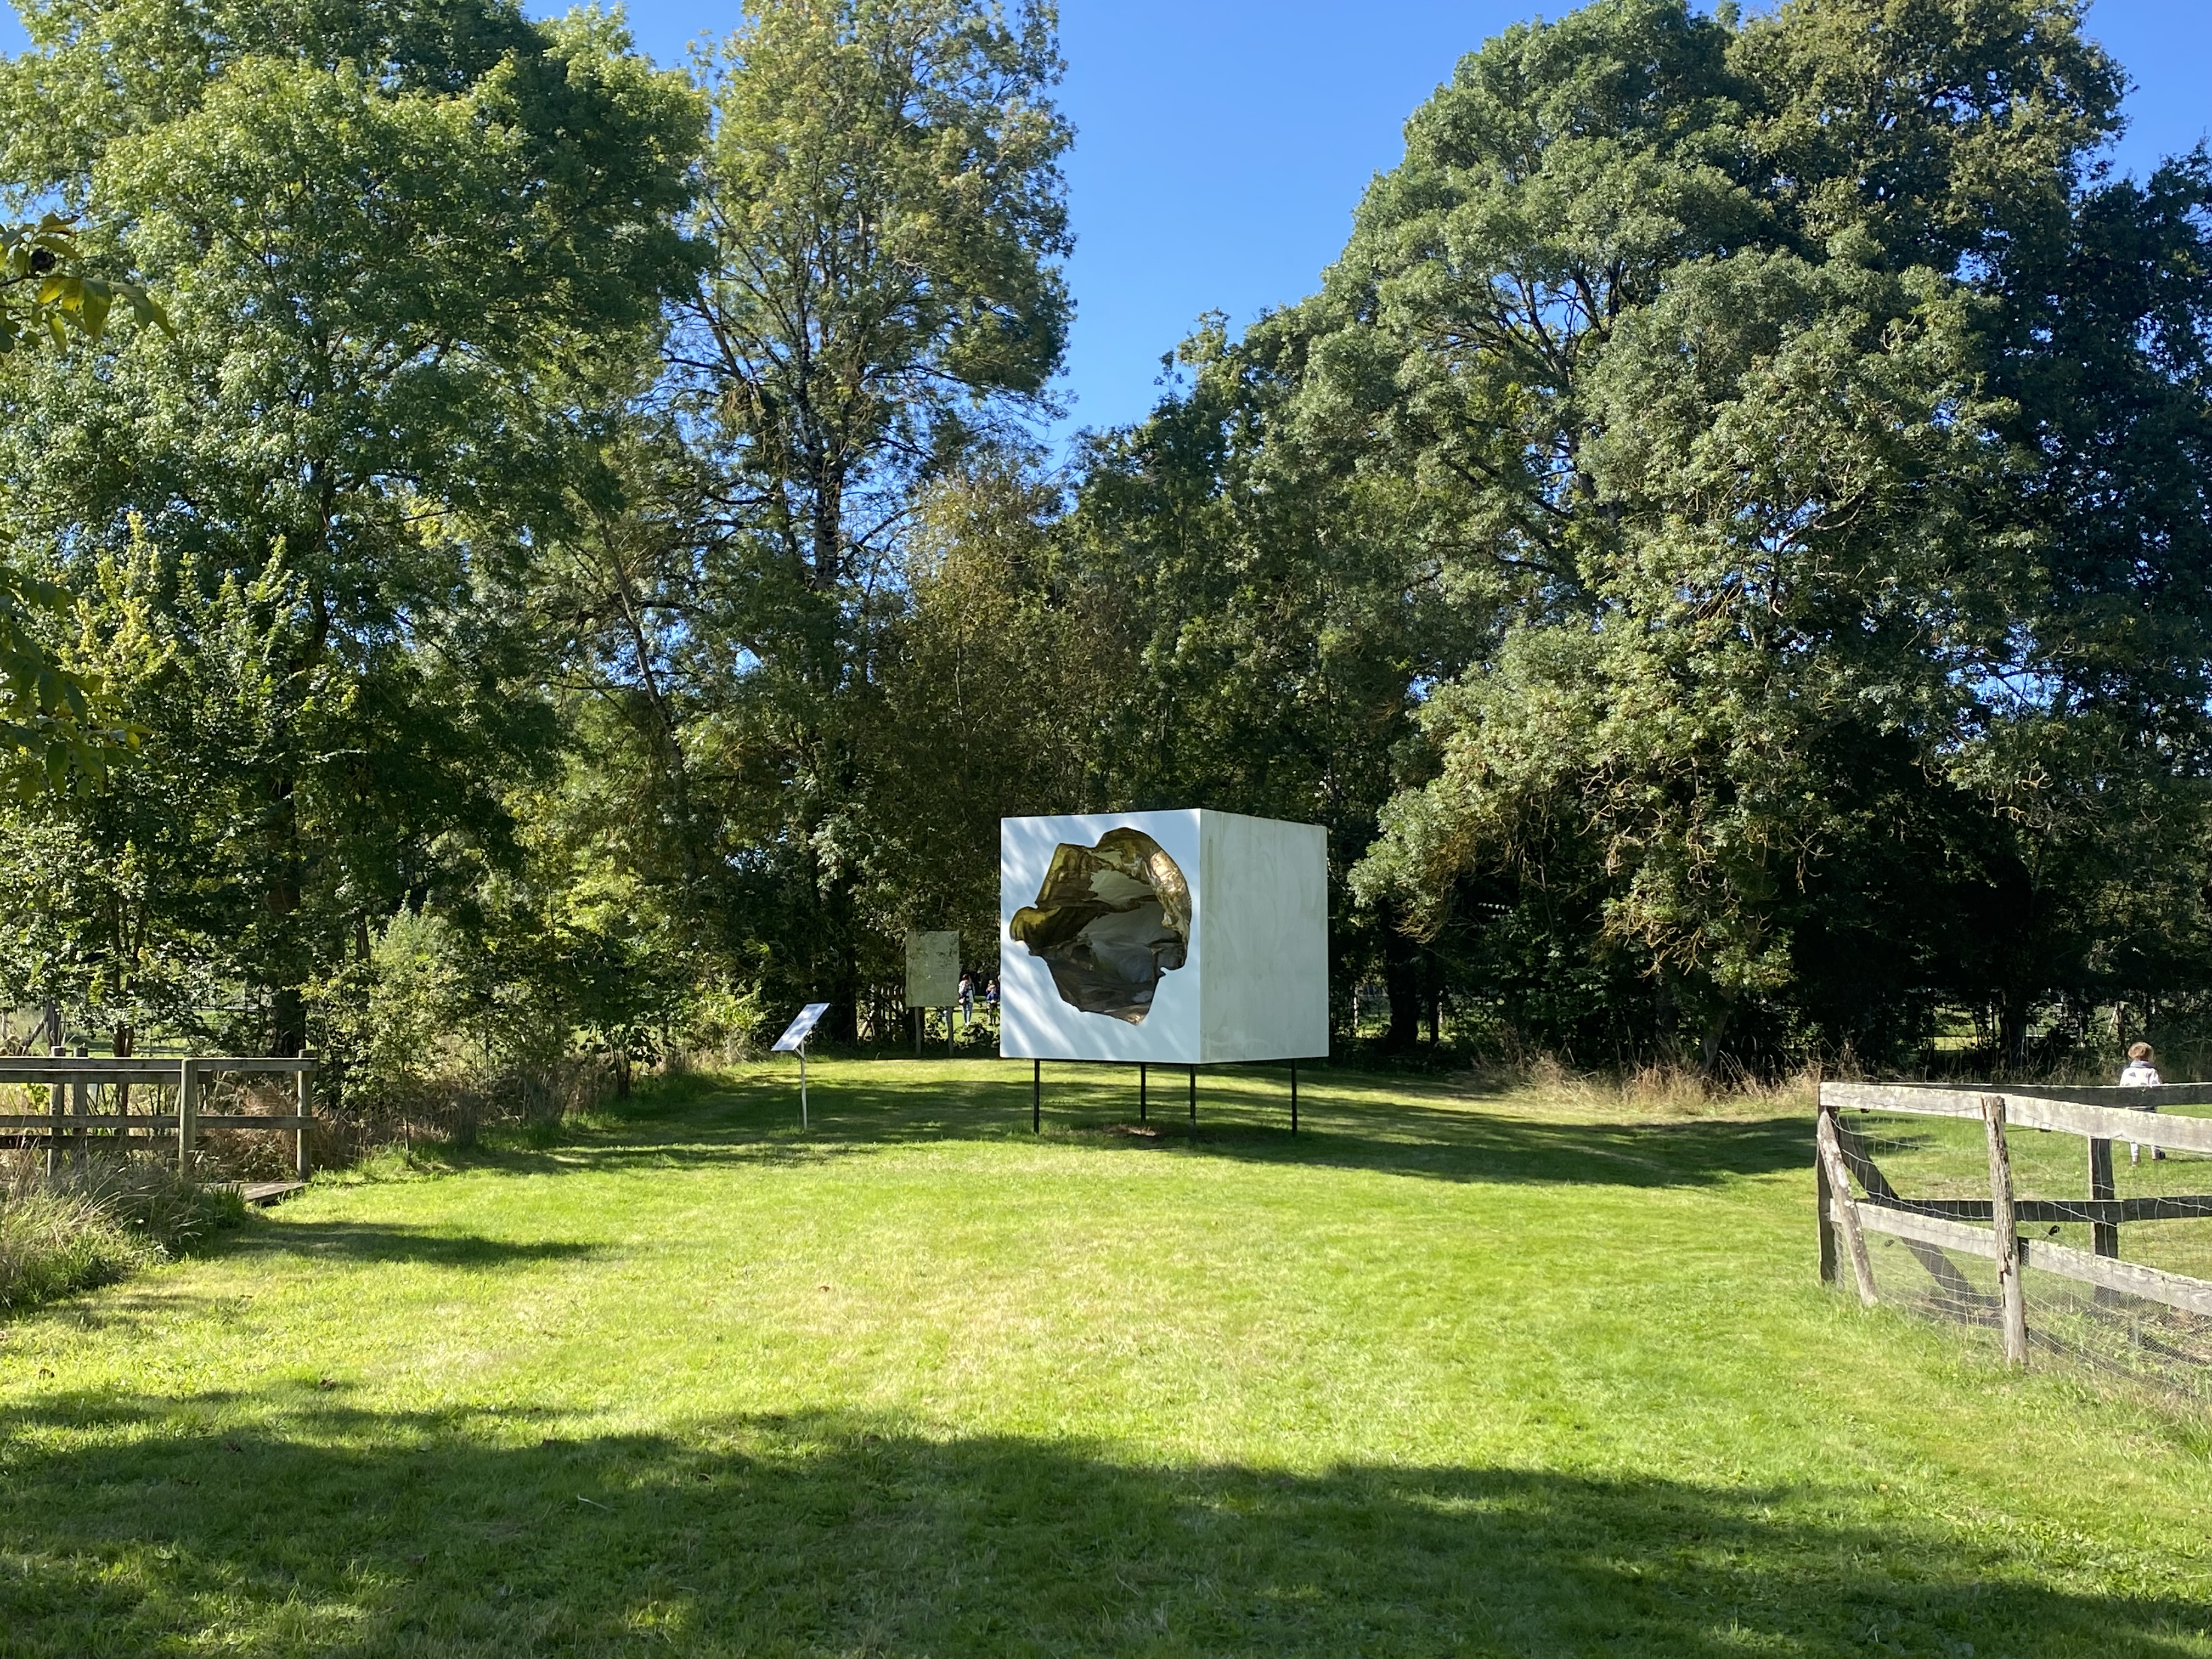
{"type": "Point", "coordinates": [2012, 1301]}
{"type": "Point", "coordinates": [80, 1106]}
{"type": "Point", "coordinates": [2104, 1236]}
{"type": "Point", "coordinates": [188, 1113]}
{"type": "Point", "coordinates": [1841, 1207]}
{"type": "Point", "coordinates": [1821, 1200]}
{"type": "Point", "coordinates": [307, 1092]}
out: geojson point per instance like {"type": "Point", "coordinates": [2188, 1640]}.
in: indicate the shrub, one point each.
{"type": "Point", "coordinates": [92, 1225]}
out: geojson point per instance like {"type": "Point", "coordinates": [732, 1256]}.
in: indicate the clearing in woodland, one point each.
{"type": "Point", "coordinates": [1450, 1372]}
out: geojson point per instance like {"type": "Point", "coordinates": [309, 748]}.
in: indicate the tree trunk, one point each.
{"type": "Point", "coordinates": [1401, 978]}
{"type": "Point", "coordinates": [288, 1000]}
{"type": "Point", "coordinates": [2012, 1034]}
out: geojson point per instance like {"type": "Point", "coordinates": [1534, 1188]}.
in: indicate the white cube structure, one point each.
{"type": "Point", "coordinates": [1183, 938]}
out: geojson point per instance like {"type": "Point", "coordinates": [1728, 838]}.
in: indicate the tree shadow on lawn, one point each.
{"type": "Point", "coordinates": [343, 1531]}
{"type": "Point", "coordinates": [396, 1242]}
{"type": "Point", "coordinates": [1349, 1124]}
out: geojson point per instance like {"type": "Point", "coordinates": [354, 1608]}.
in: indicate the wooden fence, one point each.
{"type": "Point", "coordinates": [70, 1120]}
{"type": "Point", "coordinates": [1931, 1228]}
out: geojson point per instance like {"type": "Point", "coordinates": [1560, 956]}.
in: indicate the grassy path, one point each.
{"type": "Point", "coordinates": [1444, 1374]}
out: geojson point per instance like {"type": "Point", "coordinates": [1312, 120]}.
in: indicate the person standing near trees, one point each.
{"type": "Point", "coordinates": [2140, 1073]}
{"type": "Point", "coordinates": [967, 998]}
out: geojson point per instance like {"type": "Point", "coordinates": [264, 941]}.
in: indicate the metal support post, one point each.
{"type": "Point", "coordinates": [1193, 1094]}
{"type": "Point", "coordinates": [1143, 1079]}
{"type": "Point", "coordinates": [1294, 1097]}
{"type": "Point", "coordinates": [1036, 1097]}
{"type": "Point", "coordinates": [803, 1123]}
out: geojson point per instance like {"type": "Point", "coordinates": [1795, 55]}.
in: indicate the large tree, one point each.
{"type": "Point", "coordinates": [394, 243]}
{"type": "Point", "coordinates": [1730, 352]}
{"type": "Point", "coordinates": [882, 216]}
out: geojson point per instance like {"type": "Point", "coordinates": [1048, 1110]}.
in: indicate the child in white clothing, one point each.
{"type": "Point", "coordinates": [2140, 1073]}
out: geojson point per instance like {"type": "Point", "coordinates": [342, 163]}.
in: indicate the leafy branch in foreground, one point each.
{"type": "Point", "coordinates": [53, 723]}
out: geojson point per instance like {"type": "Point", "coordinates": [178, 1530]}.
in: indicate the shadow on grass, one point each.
{"type": "Point", "coordinates": [392, 1242]}
{"type": "Point", "coordinates": [336, 1530]}
{"type": "Point", "coordinates": [1348, 1122]}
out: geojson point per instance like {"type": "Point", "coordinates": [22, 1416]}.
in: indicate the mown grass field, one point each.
{"type": "Point", "coordinates": [1448, 1373]}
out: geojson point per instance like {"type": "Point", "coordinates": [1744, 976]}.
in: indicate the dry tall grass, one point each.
{"type": "Point", "coordinates": [93, 1222]}
{"type": "Point", "coordinates": [1647, 1090]}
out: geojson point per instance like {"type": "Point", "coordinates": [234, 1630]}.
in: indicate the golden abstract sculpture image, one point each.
{"type": "Point", "coordinates": [1109, 920]}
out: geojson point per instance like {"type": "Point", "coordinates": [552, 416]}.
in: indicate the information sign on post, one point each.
{"type": "Point", "coordinates": [794, 1040]}
{"type": "Point", "coordinates": [932, 976]}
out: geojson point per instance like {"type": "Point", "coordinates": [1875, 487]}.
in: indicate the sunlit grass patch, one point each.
{"type": "Point", "coordinates": [1456, 1368]}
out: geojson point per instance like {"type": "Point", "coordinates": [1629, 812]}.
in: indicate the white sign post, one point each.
{"type": "Point", "coordinates": [794, 1040]}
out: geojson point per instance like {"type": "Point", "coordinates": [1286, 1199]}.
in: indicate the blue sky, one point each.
{"type": "Point", "coordinates": [1221, 144]}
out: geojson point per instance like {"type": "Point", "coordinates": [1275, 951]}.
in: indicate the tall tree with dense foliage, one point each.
{"type": "Point", "coordinates": [52, 724]}
{"type": "Point", "coordinates": [882, 214]}
{"type": "Point", "coordinates": [1721, 351]}
{"type": "Point", "coordinates": [391, 243]}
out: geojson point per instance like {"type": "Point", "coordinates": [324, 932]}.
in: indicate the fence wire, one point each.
{"type": "Point", "coordinates": [2108, 1332]}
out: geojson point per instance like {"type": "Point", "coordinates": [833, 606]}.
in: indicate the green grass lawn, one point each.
{"type": "Point", "coordinates": [1448, 1373]}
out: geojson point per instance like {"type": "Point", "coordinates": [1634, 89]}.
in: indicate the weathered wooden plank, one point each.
{"type": "Point", "coordinates": [1840, 1205]}
{"type": "Point", "coordinates": [49, 1080]}
{"type": "Point", "coordinates": [188, 1106]}
{"type": "Point", "coordinates": [2186, 1134]}
{"type": "Point", "coordinates": [1930, 1228]}
{"type": "Point", "coordinates": [2061, 1260]}
{"type": "Point", "coordinates": [2103, 1212]}
{"type": "Point", "coordinates": [1917, 1098]}
{"type": "Point", "coordinates": [98, 1071]}
{"type": "Point", "coordinates": [264, 1192]}
{"type": "Point", "coordinates": [138, 1068]}
{"type": "Point", "coordinates": [2042, 1111]}
{"type": "Point", "coordinates": [2013, 1302]}
{"type": "Point", "coordinates": [2105, 1237]}
{"type": "Point", "coordinates": [164, 1121]}
{"type": "Point", "coordinates": [1941, 1100]}
{"type": "Point", "coordinates": [2160, 1095]}
{"type": "Point", "coordinates": [305, 1082]}
{"type": "Point", "coordinates": [2152, 1284]}
{"type": "Point", "coordinates": [1939, 1230]}
{"type": "Point", "coordinates": [1824, 1225]}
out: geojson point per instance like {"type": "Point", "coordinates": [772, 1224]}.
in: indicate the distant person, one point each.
{"type": "Point", "coordinates": [2140, 1073]}
{"type": "Point", "coordinates": [967, 1000]}
{"type": "Point", "coordinates": [991, 997]}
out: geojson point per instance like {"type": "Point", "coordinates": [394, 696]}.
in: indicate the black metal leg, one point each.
{"type": "Point", "coordinates": [1036, 1097]}
{"type": "Point", "coordinates": [1294, 1097]}
{"type": "Point", "coordinates": [1193, 1094]}
{"type": "Point", "coordinates": [1143, 1079]}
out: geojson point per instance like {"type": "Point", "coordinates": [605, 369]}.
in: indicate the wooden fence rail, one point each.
{"type": "Point", "coordinates": [1933, 1228]}
{"type": "Point", "coordinates": [71, 1079]}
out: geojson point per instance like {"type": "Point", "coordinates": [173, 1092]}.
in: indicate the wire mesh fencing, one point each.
{"type": "Point", "coordinates": [2111, 1208]}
